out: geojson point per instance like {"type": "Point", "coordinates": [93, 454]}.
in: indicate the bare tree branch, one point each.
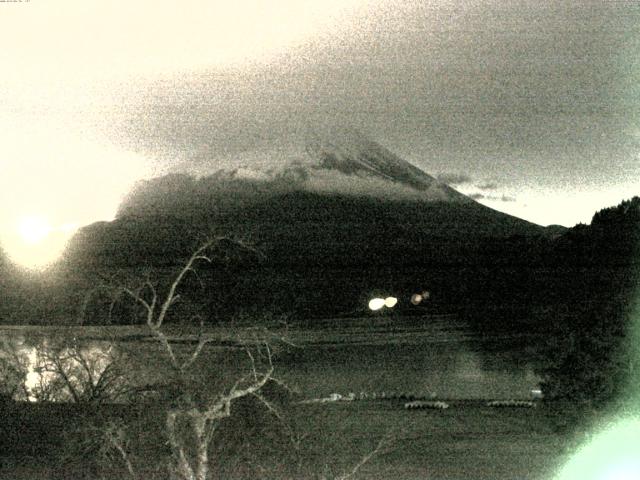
{"type": "Point", "coordinates": [170, 298]}
{"type": "Point", "coordinates": [115, 436]}
{"type": "Point", "coordinates": [382, 445]}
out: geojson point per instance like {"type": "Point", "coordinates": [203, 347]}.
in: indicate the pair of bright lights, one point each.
{"type": "Point", "coordinates": [390, 302]}
{"type": "Point", "coordinates": [378, 303]}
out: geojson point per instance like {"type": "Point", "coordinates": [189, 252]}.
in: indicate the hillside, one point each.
{"type": "Point", "coordinates": [334, 225]}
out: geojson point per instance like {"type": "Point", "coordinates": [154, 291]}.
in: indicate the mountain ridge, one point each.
{"type": "Point", "coordinates": [339, 222]}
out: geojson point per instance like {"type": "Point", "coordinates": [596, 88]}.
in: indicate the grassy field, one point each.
{"type": "Point", "coordinates": [467, 441]}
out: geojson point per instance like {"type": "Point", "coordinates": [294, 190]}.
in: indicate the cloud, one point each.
{"type": "Point", "coordinates": [454, 178]}
{"type": "Point", "coordinates": [487, 186]}
{"type": "Point", "coordinates": [482, 196]}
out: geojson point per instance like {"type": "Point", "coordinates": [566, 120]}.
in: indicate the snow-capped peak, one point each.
{"type": "Point", "coordinates": [349, 152]}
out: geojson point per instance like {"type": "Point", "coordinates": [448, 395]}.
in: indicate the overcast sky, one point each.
{"type": "Point", "coordinates": [532, 107]}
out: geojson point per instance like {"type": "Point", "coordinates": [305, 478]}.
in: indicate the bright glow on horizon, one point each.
{"type": "Point", "coordinates": [60, 179]}
{"type": "Point", "coordinates": [567, 207]}
{"type": "Point", "coordinates": [35, 243]}
{"type": "Point", "coordinates": [34, 229]}
{"type": "Point", "coordinates": [33, 378]}
{"type": "Point", "coordinates": [96, 358]}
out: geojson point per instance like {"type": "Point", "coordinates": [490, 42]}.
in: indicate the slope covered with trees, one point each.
{"type": "Point", "coordinates": [592, 308]}
{"type": "Point", "coordinates": [577, 296]}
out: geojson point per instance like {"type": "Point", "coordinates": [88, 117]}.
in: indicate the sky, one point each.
{"type": "Point", "coordinates": [531, 107]}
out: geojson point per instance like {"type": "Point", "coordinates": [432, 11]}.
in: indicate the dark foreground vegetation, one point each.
{"type": "Point", "coordinates": [468, 440]}
{"type": "Point", "coordinates": [580, 292]}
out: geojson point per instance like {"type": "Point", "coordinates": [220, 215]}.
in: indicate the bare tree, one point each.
{"type": "Point", "coordinates": [70, 371]}
{"type": "Point", "coordinates": [191, 420]}
{"type": "Point", "coordinates": [60, 369]}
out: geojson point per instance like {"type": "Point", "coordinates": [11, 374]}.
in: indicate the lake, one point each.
{"type": "Point", "coordinates": [431, 356]}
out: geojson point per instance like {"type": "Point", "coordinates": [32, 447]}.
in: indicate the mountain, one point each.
{"type": "Point", "coordinates": [341, 162]}
{"type": "Point", "coordinates": [353, 154]}
{"type": "Point", "coordinates": [337, 219]}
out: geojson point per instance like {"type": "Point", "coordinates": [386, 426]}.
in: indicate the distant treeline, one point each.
{"type": "Point", "coordinates": [580, 293]}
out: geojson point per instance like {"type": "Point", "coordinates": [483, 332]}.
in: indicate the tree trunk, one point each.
{"type": "Point", "coordinates": [183, 468]}
{"type": "Point", "coordinates": [202, 447]}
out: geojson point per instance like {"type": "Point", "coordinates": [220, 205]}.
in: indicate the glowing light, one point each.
{"type": "Point", "coordinates": [390, 302]}
{"type": "Point", "coordinates": [84, 182]}
{"type": "Point", "coordinates": [34, 229]}
{"type": "Point", "coordinates": [418, 298]}
{"type": "Point", "coordinates": [34, 243]}
{"type": "Point", "coordinates": [612, 455]}
{"type": "Point", "coordinates": [376, 303]}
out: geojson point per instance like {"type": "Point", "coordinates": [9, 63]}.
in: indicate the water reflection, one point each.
{"type": "Point", "coordinates": [62, 370]}
{"type": "Point", "coordinates": [438, 358]}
